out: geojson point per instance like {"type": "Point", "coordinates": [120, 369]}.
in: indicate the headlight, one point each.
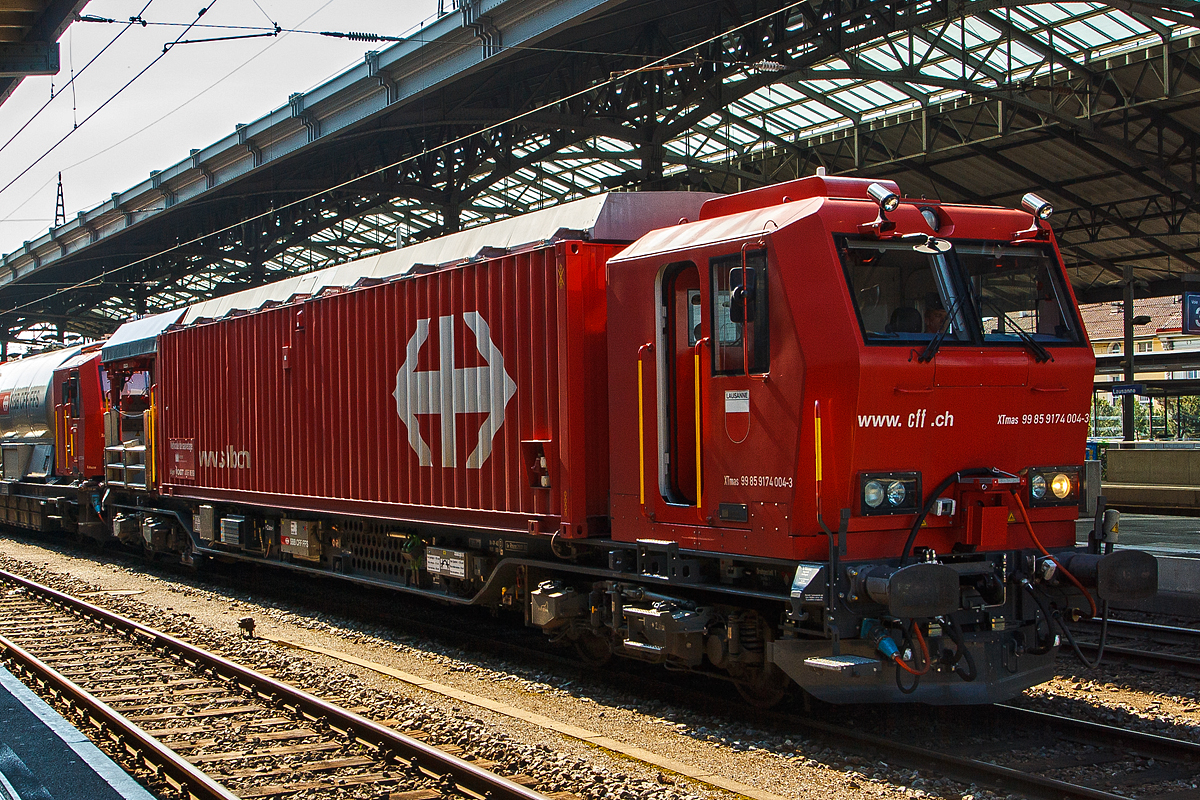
{"type": "Point", "coordinates": [1037, 486]}
{"type": "Point", "coordinates": [1054, 486]}
{"type": "Point", "coordinates": [890, 492]}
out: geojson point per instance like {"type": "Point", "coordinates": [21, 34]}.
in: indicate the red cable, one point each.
{"type": "Point", "coordinates": [924, 654]}
{"type": "Point", "coordinates": [1029, 526]}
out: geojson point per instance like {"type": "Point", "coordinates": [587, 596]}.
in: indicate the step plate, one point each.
{"type": "Point", "coordinates": [839, 663]}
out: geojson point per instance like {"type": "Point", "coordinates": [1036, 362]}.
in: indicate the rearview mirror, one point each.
{"type": "Point", "coordinates": [741, 296]}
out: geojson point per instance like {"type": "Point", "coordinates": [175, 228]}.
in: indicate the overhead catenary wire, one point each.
{"type": "Point", "coordinates": [400, 162]}
{"type": "Point", "coordinates": [264, 13]}
{"type": "Point", "coordinates": [101, 107]}
{"type": "Point", "coordinates": [275, 29]}
{"type": "Point", "coordinates": [150, 125]}
{"type": "Point", "coordinates": [71, 83]}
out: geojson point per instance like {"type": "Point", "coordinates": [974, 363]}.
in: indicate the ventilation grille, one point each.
{"type": "Point", "coordinates": [378, 549]}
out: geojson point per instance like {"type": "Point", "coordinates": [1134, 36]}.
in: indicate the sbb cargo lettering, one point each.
{"type": "Point", "coordinates": [225, 459]}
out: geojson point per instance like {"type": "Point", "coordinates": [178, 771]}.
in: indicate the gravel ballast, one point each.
{"type": "Point", "coordinates": [792, 766]}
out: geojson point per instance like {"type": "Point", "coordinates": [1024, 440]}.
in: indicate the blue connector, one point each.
{"type": "Point", "coordinates": [885, 645]}
{"type": "Point", "coordinates": [871, 629]}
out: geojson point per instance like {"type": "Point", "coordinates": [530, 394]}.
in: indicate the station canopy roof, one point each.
{"type": "Point", "coordinates": [1056, 62]}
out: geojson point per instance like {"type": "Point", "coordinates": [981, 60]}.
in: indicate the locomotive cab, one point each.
{"type": "Point", "coordinates": [892, 393]}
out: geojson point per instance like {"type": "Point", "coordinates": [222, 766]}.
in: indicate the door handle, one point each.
{"type": "Point", "coordinates": [648, 347]}
{"type": "Point", "coordinates": [703, 341]}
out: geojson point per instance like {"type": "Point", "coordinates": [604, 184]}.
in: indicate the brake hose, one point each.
{"type": "Point", "coordinates": [900, 680]}
{"type": "Point", "coordinates": [1041, 649]}
{"type": "Point", "coordinates": [924, 652]}
{"type": "Point", "coordinates": [1087, 595]}
{"type": "Point", "coordinates": [1075, 646]}
{"type": "Point", "coordinates": [1029, 527]}
{"type": "Point", "coordinates": [956, 636]}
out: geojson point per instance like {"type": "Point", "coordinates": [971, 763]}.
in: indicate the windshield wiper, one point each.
{"type": "Point", "coordinates": [1040, 354]}
{"type": "Point", "coordinates": [931, 349]}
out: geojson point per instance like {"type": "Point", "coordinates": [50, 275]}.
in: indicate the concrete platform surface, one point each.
{"type": "Point", "coordinates": [44, 757]}
{"type": "Point", "coordinates": [1174, 536]}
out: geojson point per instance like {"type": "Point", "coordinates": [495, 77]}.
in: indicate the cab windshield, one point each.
{"type": "Point", "coordinates": [902, 294]}
{"type": "Point", "coordinates": [973, 292]}
{"type": "Point", "coordinates": [1017, 289]}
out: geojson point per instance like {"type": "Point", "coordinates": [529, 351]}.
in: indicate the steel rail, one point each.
{"type": "Point", "coordinates": [969, 770]}
{"type": "Point", "coordinates": [1139, 741]}
{"type": "Point", "coordinates": [1185, 635]}
{"type": "Point", "coordinates": [434, 763]}
{"type": "Point", "coordinates": [1168, 635]}
{"type": "Point", "coordinates": [150, 752]}
{"type": "Point", "coordinates": [1148, 658]}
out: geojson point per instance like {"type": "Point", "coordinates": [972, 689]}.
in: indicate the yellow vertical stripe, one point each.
{"type": "Point", "coordinates": [818, 432]}
{"type": "Point", "coordinates": [641, 438]}
{"type": "Point", "coordinates": [699, 482]}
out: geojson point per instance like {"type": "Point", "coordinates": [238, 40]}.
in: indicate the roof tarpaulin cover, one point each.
{"type": "Point", "coordinates": [139, 337]}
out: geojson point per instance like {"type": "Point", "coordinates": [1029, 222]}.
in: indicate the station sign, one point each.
{"type": "Point", "coordinates": [1191, 312]}
{"type": "Point", "coordinates": [1122, 389]}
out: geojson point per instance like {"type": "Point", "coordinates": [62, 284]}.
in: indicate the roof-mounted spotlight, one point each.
{"type": "Point", "coordinates": [1037, 206]}
{"type": "Point", "coordinates": [888, 200]}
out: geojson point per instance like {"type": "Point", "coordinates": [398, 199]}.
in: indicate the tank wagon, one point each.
{"type": "Point", "coordinates": [813, 434]}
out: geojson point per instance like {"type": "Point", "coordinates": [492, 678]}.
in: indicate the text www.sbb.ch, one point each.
{"type": "Point", "coordinates": [917, 419]}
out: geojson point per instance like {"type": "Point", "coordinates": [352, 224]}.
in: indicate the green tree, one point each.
{"type": "Point", "coordinates": [1106, 418]}
{"type": "Point", "coordinates": [1183, 417]}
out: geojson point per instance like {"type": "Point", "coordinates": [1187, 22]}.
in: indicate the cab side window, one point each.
{"type": "Point", "coordinates": [740, 314]}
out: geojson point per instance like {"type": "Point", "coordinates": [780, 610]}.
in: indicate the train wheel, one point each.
{"type": "Point", "coordinates": [595, 650]}
{"type": "Point", "coordinates": [764, 688]}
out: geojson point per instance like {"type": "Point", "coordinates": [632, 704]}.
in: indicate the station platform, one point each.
{"type": "Point", "coordinates": [1175, 541]}
{"type": "Point", "coordinates": [44, 757]}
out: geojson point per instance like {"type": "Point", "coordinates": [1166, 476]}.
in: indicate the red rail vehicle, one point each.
{"type": "Point", "coordinates": [819, 435]}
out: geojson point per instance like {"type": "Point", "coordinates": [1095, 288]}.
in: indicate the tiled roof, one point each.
{"type": "Point", "coordinates": [1105, 320]}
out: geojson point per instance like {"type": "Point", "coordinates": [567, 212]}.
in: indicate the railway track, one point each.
{"type": "Point", "coordinates": [1166, 641]}
{"type": "Point", "coordinates": [211, 729]}
{"type": "Point", "coordinates": [1039, 755]}
{"type": "Point", "coordinates": [1036, 754]}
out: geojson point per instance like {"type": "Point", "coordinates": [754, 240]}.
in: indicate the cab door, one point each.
{"type": "Point", "coordinates": [68, 436]}
{"type": "Point", "coordinates": [740, 357]}
{"type": "Point", "coordinates": [73, 419]}
{"type": "Point", "coordinates": [681, 381]}
{"type": "Point", "coordinates": [713, 322]}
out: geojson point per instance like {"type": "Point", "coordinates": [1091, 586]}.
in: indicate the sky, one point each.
{"type": "Point", "coordinates": [191, 97]}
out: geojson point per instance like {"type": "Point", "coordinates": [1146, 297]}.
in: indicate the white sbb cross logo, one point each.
{"type": "Point", "coordinates": [449, 392]}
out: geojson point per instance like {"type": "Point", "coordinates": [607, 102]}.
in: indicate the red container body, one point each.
{"type": "Point", "coordinates": [473, 396]}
